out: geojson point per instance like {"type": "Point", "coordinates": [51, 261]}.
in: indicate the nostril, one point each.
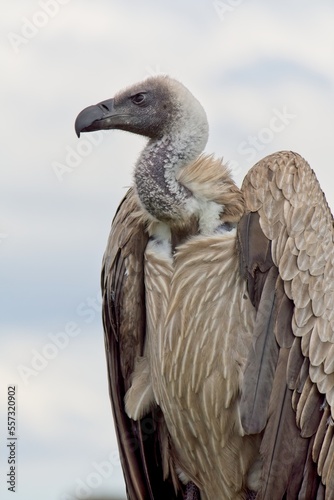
{"type": "Point", "coordinates": [103, 106]}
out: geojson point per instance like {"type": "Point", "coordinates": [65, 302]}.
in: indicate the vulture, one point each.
{"type": "Point", "coordinates": [218, 312]}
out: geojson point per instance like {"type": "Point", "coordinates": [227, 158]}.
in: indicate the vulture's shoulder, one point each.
{"type": "Point", "coordinates": [287, 255]}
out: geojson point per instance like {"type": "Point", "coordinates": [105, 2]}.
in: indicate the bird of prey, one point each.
{"type": "Point", "coordinates": [218, 311]}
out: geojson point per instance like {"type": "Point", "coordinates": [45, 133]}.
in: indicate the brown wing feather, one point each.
{"type": "Point", "coordinates": [124, 320]}
{"type": "Point", "coordinates": [296, 223]}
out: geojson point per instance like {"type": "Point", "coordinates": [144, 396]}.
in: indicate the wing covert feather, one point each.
{"type": "Point", "coordinates": [294, 216]}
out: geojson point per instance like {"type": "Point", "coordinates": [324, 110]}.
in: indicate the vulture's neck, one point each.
{"type": "Point", "coordinates": [156, 174]}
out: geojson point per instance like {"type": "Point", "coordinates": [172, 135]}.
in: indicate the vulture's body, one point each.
{"type": "Point", "coordinates": [218, 314]}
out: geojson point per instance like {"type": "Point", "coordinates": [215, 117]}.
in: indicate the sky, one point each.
{"type": "Point", "coordinates": [264, 72]}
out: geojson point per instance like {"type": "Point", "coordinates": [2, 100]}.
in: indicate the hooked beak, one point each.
{"type": "Point", "coordinates": [99, 116]}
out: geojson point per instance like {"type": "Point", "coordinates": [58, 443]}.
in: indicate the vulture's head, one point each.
{"type": "Point", "coordinates": [156, 107]}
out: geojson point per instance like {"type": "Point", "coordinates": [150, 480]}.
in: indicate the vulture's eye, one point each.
{"type": "Point", "coordinates": [138, 98]}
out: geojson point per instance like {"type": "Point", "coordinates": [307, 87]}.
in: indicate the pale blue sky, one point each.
{"type": "Point", "coordinates": [264, 72]}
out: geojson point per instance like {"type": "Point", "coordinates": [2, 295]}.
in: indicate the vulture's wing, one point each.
{"type": "Point", "coordinates": [124, 325]}
{"type": "Point", "coordinates": [287, 251]}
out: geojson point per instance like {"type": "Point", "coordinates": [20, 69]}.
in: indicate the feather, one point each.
{"type": "Point", "coordinates": [139, 398]}
{"type": "Point", "coordinates": [321, 493]}
{"type": "Point", "coordinates": [260, 368]}
{"type": "Point", "coordinates": [311, 413]}
{"type": "Point", "coordinates": [311, 480]}
{"type": "Point", "coordinates": [303, 375]}
{"type": "Point", "coordinates": [325, 448]}
{"type": "Point", "coordinates": [320, 435]}
{"type": "Point", "coordinates": [295, 399]}
{"type": "Point", "coordinates": [303, 397]}
{"type": "Point", "coordinates": [330, 474]}
{"type": "Point", "coordinates": [281, 437]}
{"type": "Point", "coordinates": [328, 470]}
{"type": "Point", "coordinates": [212, 181]}
{"type": "Point", "coordinates": [255, 254]}
{"type": "Point", "coordinates": [285, 308]}
{"type": "Point", "coordinates": [295, 362]}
